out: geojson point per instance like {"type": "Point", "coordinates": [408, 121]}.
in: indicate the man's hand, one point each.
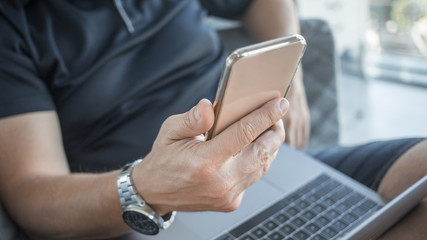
{"type": "Point", "coordinates": [297, 121]}
{"type": "Point", "coordinates": [184, 172]}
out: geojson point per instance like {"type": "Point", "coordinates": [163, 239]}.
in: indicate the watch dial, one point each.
{"type": "Point", "coordinates": [141, 223]}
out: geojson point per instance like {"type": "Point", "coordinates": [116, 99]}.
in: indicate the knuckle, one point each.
{"type": "Point", "coordinates": [228, 203]}
{"type": "Point", "coordinates": [262, 153]}
{"type": "Point", "coordinates": [265, 168]}
{"type": "Point", "coordinates": [263, 156]}
{"type": "Point", "coordinates": [165, 130]}
{"type": "Point", "coordinates": [187, 122]}
{"type": "Point", "coordinates": [220, 191]}
{"type": "Point", "coordinates": [167, 123]}
{"type": "Point", "coordinates": [272, 117]}
{"type": "Point", "coordinates": [248, 132]}
{"type": "Point", "coordinates": [233, 206]}
{"type": "Point", "coordinates": [223, 202]}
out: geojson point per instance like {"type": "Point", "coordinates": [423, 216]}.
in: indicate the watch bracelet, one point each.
{"type": "Point", "coordinates": [129, 196]}
{"type": "Point", "coordinates": [127, 192]}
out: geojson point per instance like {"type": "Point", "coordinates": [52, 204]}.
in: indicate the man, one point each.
{"type": "Point", "coordinates": [88, 86]}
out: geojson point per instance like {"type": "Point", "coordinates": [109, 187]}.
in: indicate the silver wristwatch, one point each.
{"type": "Point", "coordinates": [136, 212]}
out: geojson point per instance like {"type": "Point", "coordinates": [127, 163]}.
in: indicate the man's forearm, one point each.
{"type": "Point", "coordinates": [265, 20]}
{"type": "Point", "coordinates": [69, 206]}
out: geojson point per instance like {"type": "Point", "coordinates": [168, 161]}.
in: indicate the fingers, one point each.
{"type": "Point", "coordinates": [255, 160]}
{"type": "Point", "coordinates": [291, 133]}
{"type": "Point", "coordinates": [297, 127]}
{"type": "Point", "coordinates": [250, 165]}
{"type": "Point", "coordinates": [240, 134]}
{"type": "Point", "coordinates": [190, 124]}
{"type": "Point", "coordinates": [204, 176]}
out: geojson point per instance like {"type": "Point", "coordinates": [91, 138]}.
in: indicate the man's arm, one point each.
{"type": "Point", "coordinates": [265, 20]}
{"type": "Point", "coordinates": [38, 190]}
{"type": "Point", "coordinates": [182, 172]}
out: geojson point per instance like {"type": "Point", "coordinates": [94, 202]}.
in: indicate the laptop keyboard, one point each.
{"type": "Point", "coordinates": [319, 210]}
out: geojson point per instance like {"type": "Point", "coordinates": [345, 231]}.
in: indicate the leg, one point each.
{"type": "Point", "coordinates": [410, 167]}
{"type": "Point", "coordinates": [369, 163]}
{"type": "Point", "coordinates": [388, 167]}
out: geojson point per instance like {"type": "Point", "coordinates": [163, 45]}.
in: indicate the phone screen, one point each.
{"type": "Point", "coordinates": [254, 75]}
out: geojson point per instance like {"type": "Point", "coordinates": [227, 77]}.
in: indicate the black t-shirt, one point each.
{"type": "Point", "coordinates": [112, 70]}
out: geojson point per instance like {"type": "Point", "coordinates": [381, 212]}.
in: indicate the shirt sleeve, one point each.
{"type": "Point", "coordinates": [230, 9]}
{"type": "Point", "coordinates": [21, 88]}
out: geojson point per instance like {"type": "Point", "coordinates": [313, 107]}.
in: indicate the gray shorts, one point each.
{"type": "Point", "coordinates": [366, 163]}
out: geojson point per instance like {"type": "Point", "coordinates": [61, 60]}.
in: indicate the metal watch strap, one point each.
{"type": "Point", "coordinates": [127, 192]}
{"type": "Point", "coordinates": [129, 196]}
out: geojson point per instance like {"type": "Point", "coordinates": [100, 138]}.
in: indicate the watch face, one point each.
{"type": "Point", "coordinates": [140, 222]}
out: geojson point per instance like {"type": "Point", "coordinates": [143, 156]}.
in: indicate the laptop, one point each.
{"type": "Point", "coordinates": [299, 198]}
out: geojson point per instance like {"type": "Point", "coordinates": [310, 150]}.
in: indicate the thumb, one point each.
{"type": "Point", "coordinates": [192, 123]}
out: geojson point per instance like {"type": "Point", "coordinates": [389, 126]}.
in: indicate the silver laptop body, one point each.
{"type": "Point", "coordinates": [291, 172]}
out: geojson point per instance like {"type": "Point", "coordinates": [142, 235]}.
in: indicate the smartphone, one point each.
{"type": "Point", "coordinates": [252, 76]}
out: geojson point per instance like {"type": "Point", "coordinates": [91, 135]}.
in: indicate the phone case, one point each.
{"type": "Point", "coordinates": [252, 76]}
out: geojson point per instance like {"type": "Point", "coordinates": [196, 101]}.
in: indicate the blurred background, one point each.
{"type": "Point", "coordinates": [379, 88]}
{"type": "Point", "coordinates": [382, 69]}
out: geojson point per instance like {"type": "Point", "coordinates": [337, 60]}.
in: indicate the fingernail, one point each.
{"type": "Point", "coordinates": [197, 112]}
{"type": "Point", "coordinates": [284, 106]}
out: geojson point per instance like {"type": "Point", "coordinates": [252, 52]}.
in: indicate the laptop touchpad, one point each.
{"type": "Point", "coordinates": [210, 224]}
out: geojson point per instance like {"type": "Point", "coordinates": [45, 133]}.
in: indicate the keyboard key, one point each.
{"type": "Point", "coordinates": [368, 204]}
{"type": "Point", "coordinates": [301, 235]}
{"type": "Point", "coordinates": [306, 188]}
{"type": "Point", "coordinates": [291, 211]}
{"type": "Point", "coordinates": [312, 228]}
{"type": "Point", "coordinates": [247, 237]}
{"type": "Point", "coordinates": [328, 202]}
{"type": "Point", "coordinates": [319, 208]}
{"type": "Point", "coordinates": [254, 221]}
{"type": "Point", "coordinates": [358, 211]}
{"type": "Point", "coordinates": [259, 232]}
{"type": "Point", "coordinates": [225, 237]}
{"type": "Point", "coordinates": [275, 236]}
{"type": "Point", "coordinates": [354, 198]}
{"type": "Point", "coordinates": [341, 192]}
{"type": "Point", "coordinates": [312, 197]}
{"type": "Point", "coordinates": [298, 222]}
{"type": "Point", "coordinates": [309, 215]}
{"type": "Point", "coordinates": [342, 207]}
{"type": "Point", "coordinates": [293, 197]}
{"type": "Point", "coordinates": [329, 232]}
{"type": "Point", "coordinates": [319, 237]}
{"type": "Point", "coordinates": [290, 238]}
{"type": "Point", "coordinates": [281, 218]}
{"type": "Point", "coordinates": [322, 221]}
{"type": "Point", "coordinates": [323, 190]}
{"type": "Point", "coordinates": [332, 214]}
{"type": "Point", "coordinates": [302, 204]}
{"type": "Point", "coordinates": [339, 225]}
{"type": "Point", "coordinates": [322, 178]}
{"type": "Point", "coordinates": [270, 225]}
{"type": "Point", "coordinates": [333, 184]}
{"type": "Point", "coordinates": [328, 187]}
{"type": "Point", "coordinates": [349, 218]}
{"type": "Point", "coordinates": [287, 229]}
